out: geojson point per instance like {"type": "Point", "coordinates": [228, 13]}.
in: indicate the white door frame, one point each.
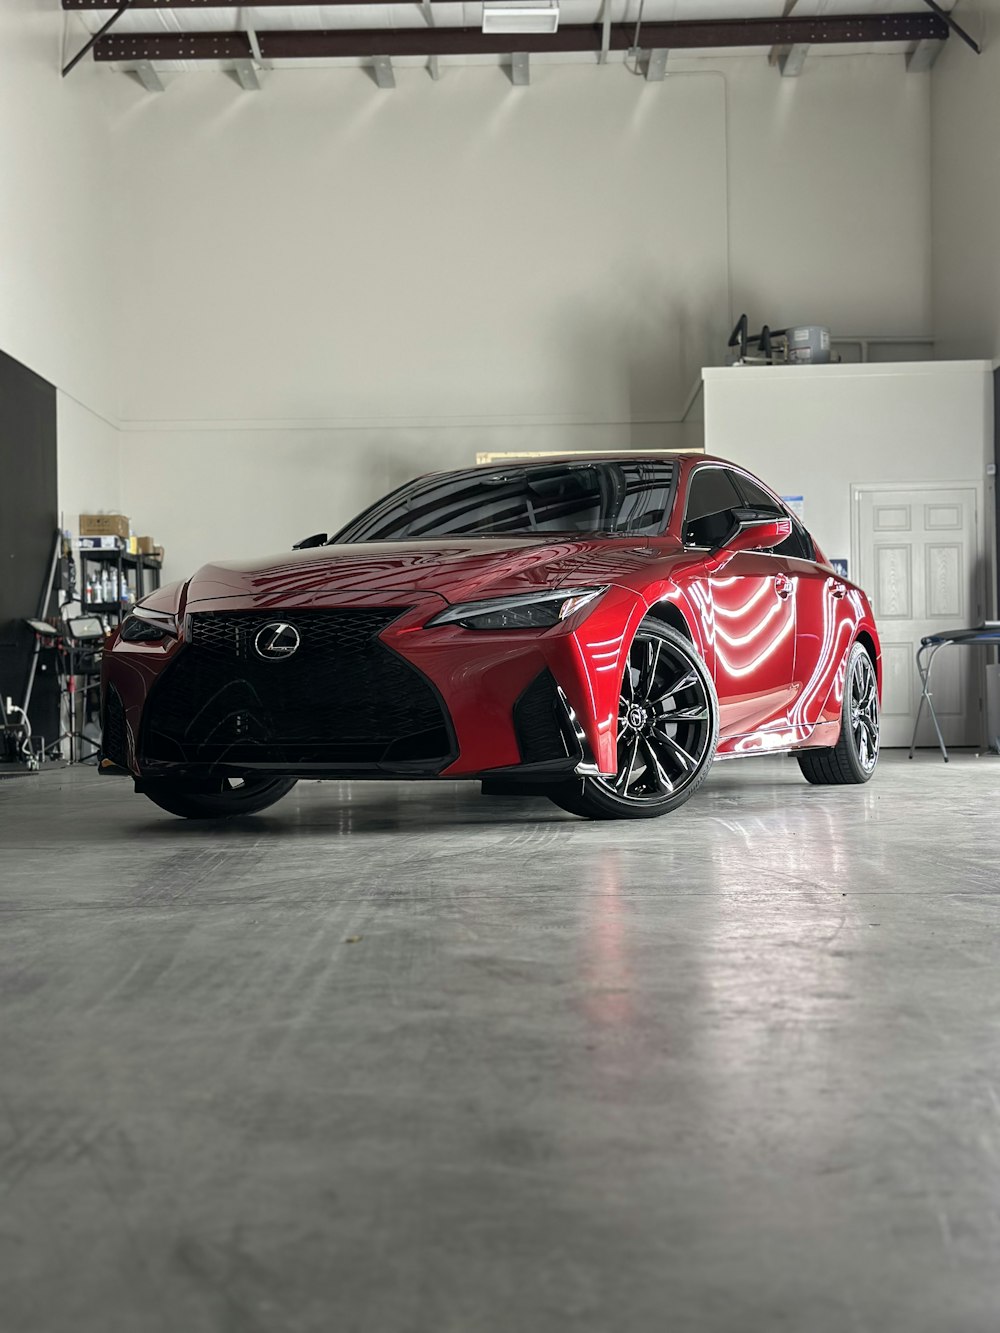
{"type": "Point", "coordinates": [982, 555]}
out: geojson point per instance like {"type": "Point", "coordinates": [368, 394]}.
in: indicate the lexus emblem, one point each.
{"type": "Point", "coordinates": [276, 641]}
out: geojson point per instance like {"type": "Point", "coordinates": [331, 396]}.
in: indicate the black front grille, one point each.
{"type": "Point", "coordinates": [341, 700]}
{"type": "Point", "coordinates": [538, 722]}
{"type": "Point", "coordinates": [113, 729]}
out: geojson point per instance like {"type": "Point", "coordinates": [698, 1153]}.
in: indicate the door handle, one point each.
{"type": "Point", "coordinates": [838, 589]}
{"type": "Point", "coordinates": [783, 585]}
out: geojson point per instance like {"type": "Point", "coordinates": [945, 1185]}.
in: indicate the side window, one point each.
{"type": "Point", "coordinates": [796, 547]}
{"type": "Point", "coordinates": [799, 546]}
{"type": "Point", "coordinates": [755, 497]}
{"type": "Point", "coordinates": [712, 499]}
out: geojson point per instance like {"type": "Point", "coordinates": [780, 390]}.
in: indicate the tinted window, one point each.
{"type": "Point", "coordinates": [796, 547]}
{"type": "Point", "coordinates": [799, 546]}
{"type": "Point", "coordinates": [712, 500]}
{"type": "Point", "coordinates": [756, 497]}
{"type": "Point", "coordinates": [606, 497]}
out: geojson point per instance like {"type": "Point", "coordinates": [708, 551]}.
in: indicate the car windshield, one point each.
{"type": "Point", "coordinates": [614, 498]}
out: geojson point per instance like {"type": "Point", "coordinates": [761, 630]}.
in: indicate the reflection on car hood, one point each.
{"type": "Point", "coordinates": [459, 570]}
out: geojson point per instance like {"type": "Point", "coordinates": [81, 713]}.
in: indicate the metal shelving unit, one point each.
{"type": "Point", "coordinates": [142, 570]}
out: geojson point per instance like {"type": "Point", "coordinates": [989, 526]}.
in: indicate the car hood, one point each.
{"type": "Point", "coordinates": [460, 570]}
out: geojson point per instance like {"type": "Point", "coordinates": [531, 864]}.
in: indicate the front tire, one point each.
{"type": "Point", "coordinates": [852, 760]}
{"type": "Point", "coordinates": [668, 728]}
{"type": "Point", "coordinates": [216, 798]}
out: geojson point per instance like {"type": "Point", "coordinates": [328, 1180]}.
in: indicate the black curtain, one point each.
{"type": "Point", "coordinates": [996, 479]}
{"type": "Point", "coordinates": [28, 522]}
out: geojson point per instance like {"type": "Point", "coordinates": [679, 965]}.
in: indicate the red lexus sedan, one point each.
{"type": "Point", "coordinates": [594, 629]}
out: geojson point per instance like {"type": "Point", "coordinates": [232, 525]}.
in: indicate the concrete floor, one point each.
{"type": "Point", "coordinates": [400, 1059]}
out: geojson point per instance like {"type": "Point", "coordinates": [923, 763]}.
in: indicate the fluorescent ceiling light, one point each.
{"type": "Point", "coordinates": [520, 15]}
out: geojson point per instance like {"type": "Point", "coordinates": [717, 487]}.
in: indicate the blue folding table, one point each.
{"type": "Point", "coordinates": [982, 636]}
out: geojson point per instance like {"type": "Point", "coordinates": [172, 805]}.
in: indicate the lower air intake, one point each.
{"type": "Point", "coordinates": [538, 722]}
{"type": "Point", "coordinates": [113, 743]}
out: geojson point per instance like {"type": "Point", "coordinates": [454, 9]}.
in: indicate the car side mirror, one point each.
{"type": "Point", "coordinates": [758, 535]}
{"type": "Point", "coordinates": [317, 539]}
{"type": "Point", "coordinates": [751, 534]}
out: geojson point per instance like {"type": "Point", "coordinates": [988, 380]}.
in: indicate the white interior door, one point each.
{"type": "Point", "coordinates": [916, 552]}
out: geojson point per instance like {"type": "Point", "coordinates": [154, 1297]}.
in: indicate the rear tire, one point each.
{"type": "Point", "coordinates": [668, 727]}
{"type": "Point", "coordinates": [216, 798]}
{"type": "Point", "coordinates": [852, 760]}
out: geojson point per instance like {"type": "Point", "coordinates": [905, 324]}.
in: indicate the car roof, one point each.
{"type": "Point", "coordinates": [606, 456]}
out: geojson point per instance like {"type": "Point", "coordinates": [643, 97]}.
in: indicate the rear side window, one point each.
{"type": "Point", "coordinates": [799, 545]}
{"type": "Point", "coordinates": [755, 497]}
{"type": "Point", "coordinates": [712, 502]}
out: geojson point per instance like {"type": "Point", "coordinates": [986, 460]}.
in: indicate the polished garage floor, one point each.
{"type": "Point", "coordinates": [404, 1060]}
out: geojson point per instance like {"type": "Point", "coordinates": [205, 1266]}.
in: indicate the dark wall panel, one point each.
{"type": "Point", "coordinates": [28, 520]}
{"type": "Point", "coordinates": [996, 479]}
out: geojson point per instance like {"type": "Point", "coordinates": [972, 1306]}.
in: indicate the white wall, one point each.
{"type": "Point", "coordinates": [830, 194]}
{"type": "Point", "coordinates": [89, 463]}
{"type": "Point", "coordinates": [59, 205]}
{"type": "Point", "coordinates": [326, 250]}
{"type": "Point", "coordinates": [336, 286]}
{"type": "Point", "coordinates": [816, 431]}
{"type": "Point", "coordinates": [966, 188]}
{"type": "Point", "coordinates": [58, 209]}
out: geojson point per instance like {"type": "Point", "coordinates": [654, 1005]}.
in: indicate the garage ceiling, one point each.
{"type": "Point", "coordinates": [149, 35]}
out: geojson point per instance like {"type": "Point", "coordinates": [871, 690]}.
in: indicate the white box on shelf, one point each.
{"type": "Point", "coordinates": [99, 543]}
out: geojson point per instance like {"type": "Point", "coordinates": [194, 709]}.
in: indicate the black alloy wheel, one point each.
{"type": "Point", "coordinates": [216, 798]}
{"type": "Point", "coordinates": [668, 728]}
{"type": "Point", "coordinates": [852, 760]}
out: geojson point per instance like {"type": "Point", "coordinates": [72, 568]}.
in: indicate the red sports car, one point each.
{"type": "Point", "coordinates": [593, 629]}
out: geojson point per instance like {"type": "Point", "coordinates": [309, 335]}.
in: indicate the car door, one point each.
{"type": "Point", "coordinates": [818, 646]}
{"type": "Point", "coordinates": [752, 629]}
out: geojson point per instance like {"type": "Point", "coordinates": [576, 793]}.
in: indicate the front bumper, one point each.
{"type": "Point", "coordinates": [416, 702]}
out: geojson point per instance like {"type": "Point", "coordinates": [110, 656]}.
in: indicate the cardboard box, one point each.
{"type": "Point", "coordinates": [145, 545]}
{"type": "Point", "coordinates": [104, 525]}
{"type": "Point", "coordinates": [158, 552]}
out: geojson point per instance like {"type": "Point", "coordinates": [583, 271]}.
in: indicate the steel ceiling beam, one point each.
{"type": "Point", "coordinates": [246, 73]}
{"type": "Point", "coordinates": [947, 17]}
{"type": "Point", "coordinates": [120, 7]}
{"type": "Point", "coordinates": [656, 65]}
{"type": "Point", "coordinates": [791, 62]}
{"type": "Point", "coordinates": [382, 69]}
{"type": "Point", "coordinates": [148, 77]}
{"type": "Point", "coordinates": [317, 43]}
{"type": "Point", "coordinates": [520, 71]}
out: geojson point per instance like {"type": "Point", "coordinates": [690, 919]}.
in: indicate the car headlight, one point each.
{"type": "Point", "coordinates": [144, 625]}
{"type": "Point", "coordinates": [533, 610]}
